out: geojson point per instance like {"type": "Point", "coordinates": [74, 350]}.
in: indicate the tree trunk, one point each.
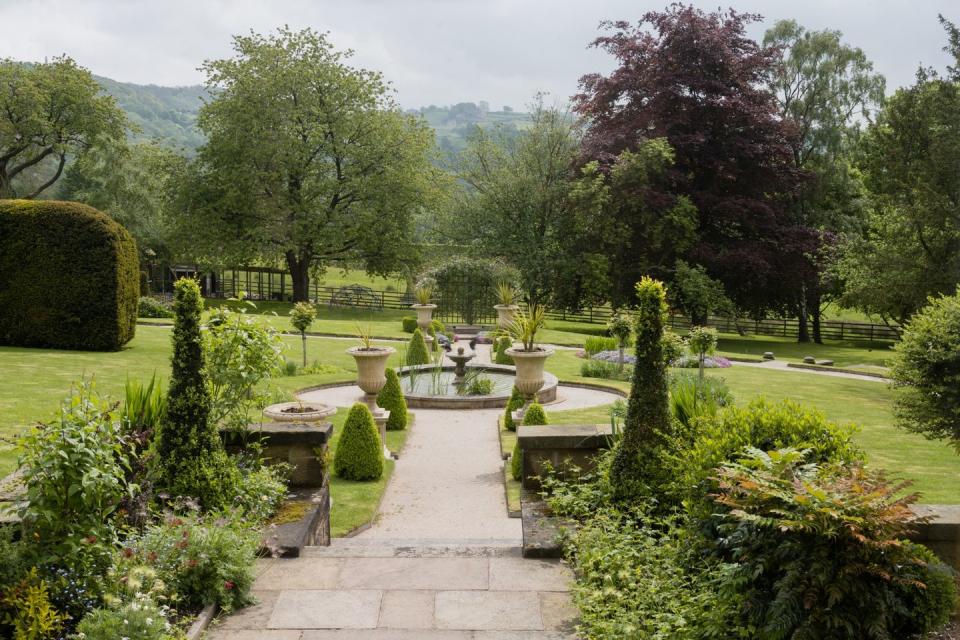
{"type": "Point", "coordinates": [620, 359]}
{"type": "Point", "coordinates": [803, 330]}
{"type": "Point", "coordinates": [698, 319]}
{"type": "Point", "coordinates": [299, 266]}
{"type": "Point", "coordinates": [303, 335]}
{"type": "Point", "coordinates": [817, 312]}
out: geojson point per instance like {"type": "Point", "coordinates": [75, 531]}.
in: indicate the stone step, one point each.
{"type": "Point", "coordinates": [414, 548]}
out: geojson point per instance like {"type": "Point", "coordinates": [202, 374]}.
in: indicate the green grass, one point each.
{"type": "Point", "coordinates": [932, 465]}
{"type": "Point", "coordinates": [847, 353]}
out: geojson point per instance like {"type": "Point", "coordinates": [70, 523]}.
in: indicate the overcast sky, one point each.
{"type": "Point", "coordinates": [433, 51]}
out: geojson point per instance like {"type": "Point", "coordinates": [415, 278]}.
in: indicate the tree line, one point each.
{"type": "Point", "coordinates": [754, 177]}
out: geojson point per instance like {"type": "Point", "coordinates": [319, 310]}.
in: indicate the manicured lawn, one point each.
{"type": "Point", "coordinates": [847, 353]}
{"type": "Point", "coordinates": [933, 465]}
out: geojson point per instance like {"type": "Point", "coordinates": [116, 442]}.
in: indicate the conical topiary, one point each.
{"type": "Point", "coordinates": [501, 357]}
{"type": "Point", "coordinates": [516, 462]}
{"type": "Point", "coordinates": [359, 454]}
{"type": "Point", "coordinates": [417, 351]}
{"type": "Point", "coordinates": [391, 398]}
{"type": "Point", "coordinates": [515, 402]}
{"type": "Point", "coordinates": [535, 415]}
{"type": "Point", "coordinates": [190, 457]}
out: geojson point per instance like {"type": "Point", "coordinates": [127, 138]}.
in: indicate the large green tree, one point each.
{"type": "Point", "coordinates": [49, 112]}
{"type": "Point", "coordinates": [909, 156]}
{"type": "Point", "coordinates": [307, 160]}
{"type": "Point", "coordinates": [825, 88]}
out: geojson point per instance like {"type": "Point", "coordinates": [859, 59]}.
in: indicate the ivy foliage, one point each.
{"type": "Point", "coordinates": [190, 457]}
{"type": "Point", "coordinates": [391, 398]}
{"type": "Point", "coordinates": [359, 454]}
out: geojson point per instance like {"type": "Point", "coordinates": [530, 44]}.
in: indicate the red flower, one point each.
{"type": "Point", "coordinates": [127, 552]}
{"type": "Point", "coordinates": [90, 539]}
{"type": "Point", "coordinates": [228, 585]}
{"type": "Point", "coordinates": [192, 562]}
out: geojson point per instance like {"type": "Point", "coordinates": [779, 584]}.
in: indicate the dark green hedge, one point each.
{"type": "Point", "coordinates": [69, 277]}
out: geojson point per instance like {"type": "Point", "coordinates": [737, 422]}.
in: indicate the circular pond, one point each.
{"type": "Point", "coordinates": [432, 387]}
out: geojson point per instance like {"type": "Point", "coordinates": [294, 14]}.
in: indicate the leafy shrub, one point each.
{"type": "Point", "coordinates": [759, 425]}
{"type": "Point", "coordinates": [673, 347]}
{"type": "Point", "coordinates": [638, 578]}
{"type": "Point", "coordinates": [261, 491]}
{"type": "Point", "coordinates": [595, 344]}
{"type": "Point", "coordinates": [603, 369]}
{"type": "Point", "coordinates": [290, 368]}
{"type": "Point", "coordinates": [359, 454]}
{"type": "Point", "coordinates": [391, 398]}
{"type": "Point", "coordinates": [73, 471]}
{"type": "Point", "coordinates": [154, 308]}
{"type": "Point", "coordinates": [928, 608]}
{"type": "Point", "coordinates": [467, 285]}
{"type": "Point", "coordinates": [15, 558]}
{"type": "Point", "coordinates": [143, 411]}
{"type": "Point", "coordinates": [409, 323]}
{"type": "Point", "coordinates": [191, 460]}
{"type": "Point", "coordinates": [535, 414]}
{"type": "Point", "coordinates": [500, 352]}
{"type": "Point", "coordinates": [203, 559]}
{"type": "Point", "coordinates": [926, 370]}
{"type": "Point", "coordinates": [692, 398]}
{"type": "Point", "coordinates": [516, 462]}
{"type": "Point", "coordinates": [693, 362]}
{"type": "Point", "coordinates": [819, 549]}
{"type": "Point", "coordinates": [140, 620]}
{"type": "Point", "coordinates": [479, 386]}
{"type": "Point", "coordinates": [69, 277]}
{"type": "Point", "coordinates": [417, 350]}
{"type": "Point", "coordinates": [515, 402]}
{"type": "Point", "coordinates": [28, 610]}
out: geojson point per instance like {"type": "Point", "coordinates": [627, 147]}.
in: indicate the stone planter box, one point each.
{"type": "Point", "coordinates": [561, 446]}
{"type": "Point", "coordinates": [298, 443]}
{"type": "Point", "coordinates": [277, 413]}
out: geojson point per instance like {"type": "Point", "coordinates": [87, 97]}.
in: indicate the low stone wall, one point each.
{"type": "Point", "coordinates": [560, 446]}
{"type": "Point", "coordinates": [302, 445]}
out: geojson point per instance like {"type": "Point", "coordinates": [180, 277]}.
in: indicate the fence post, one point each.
{"type": "Point", "coordinates": [842, 323]}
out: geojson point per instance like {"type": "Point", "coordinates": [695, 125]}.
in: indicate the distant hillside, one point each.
{"type": "Point", "coordinates": [170, 115]}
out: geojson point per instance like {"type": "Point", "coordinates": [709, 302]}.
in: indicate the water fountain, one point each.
{"type": "Point", "coordinates": [460, 360]}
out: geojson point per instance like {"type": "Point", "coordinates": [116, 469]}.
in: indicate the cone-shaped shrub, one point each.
{"type": "Point", "coordinates": [190, 458]}
{"type": "Point", "coordinates": [636, 464]}
{"type": "Point", "coordinates": [359, 453]}
{"type": "Point", "coordinates": [503, 343]}
{"type": "Point", "coordinates": [535, 415]}
{"type": "Point", "coordinates": [391, 398]}
{"type": "Point", "coordinates": [514, 403]}
{"type": "Point", "coordinates": [417, 351]}
{"type": "Point", "coordinates": [516, 462]}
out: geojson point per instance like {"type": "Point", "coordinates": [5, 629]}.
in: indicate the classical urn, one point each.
{"type": "Point", "coordinates": [529, 365]}
{"type": "Point", "coordinates": [371, 367]}
{"type": "Point", "coordinates": [505, 315]}
{"type": "Point", "coordinates": [424, 315]}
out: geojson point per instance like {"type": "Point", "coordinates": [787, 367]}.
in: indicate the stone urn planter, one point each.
{"type": "Point", "coordinates": [424, 315]}
{"type": "Point", "coordinates": [505, 315]}
{"type": "Point", "coordinates": [529, 366]}
{"type": "Point", "coordinates": [371, 367]}
{"type": "Point", "coordinates": [298, 412]}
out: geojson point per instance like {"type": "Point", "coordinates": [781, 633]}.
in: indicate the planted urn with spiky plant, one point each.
{"type": "Point", "coordinates": [529, 357]}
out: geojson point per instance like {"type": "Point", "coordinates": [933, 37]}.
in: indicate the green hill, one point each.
{"type": "Point", "coordinates": [169, 114]}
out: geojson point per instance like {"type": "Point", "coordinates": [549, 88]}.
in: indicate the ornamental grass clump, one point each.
{"type": "Point", "coordinates": [190, 457]}
{"type": "Point", "coordinates": [391, 398]}
{"type": "Point", "coordinates": [417, 350]}
{"type": "Point", "coordinates": [359, 454]}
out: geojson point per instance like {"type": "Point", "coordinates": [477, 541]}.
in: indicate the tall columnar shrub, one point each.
{"type": "Point", "coordinates": [191, 460]}
{"type": "Point", "coordinates": [515, 402]}
{"type": "Point", "coordinates": [534, 415]}
{"type": "Point", "coordinates": [359, 454]}
{"type": "Point", "coordinates": [391, 398]}
{"type": "Point", "coordinates": [69, 277]}
{"type": "Point", "coordinates": [417, 351]}
{"type": "Point", "coordinates": [926, 371]}
{"type": "Point", "coordinates": [647, 425]}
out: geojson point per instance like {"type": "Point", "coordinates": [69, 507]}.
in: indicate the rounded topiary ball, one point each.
{"type": "Point", "coordinates": [359, 454]}
{"type": "Point", "coordinates": [535, 415]}
{"type": "Point", "coordinates": [391, 398]}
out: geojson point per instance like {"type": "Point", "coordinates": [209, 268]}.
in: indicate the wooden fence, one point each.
{"type": "Point", "coordinates": [263, 283]}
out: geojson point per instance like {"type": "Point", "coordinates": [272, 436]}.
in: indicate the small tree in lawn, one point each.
{"type": "Point", "coordinates": [926, 371]}
{"type": "Point", "coordinates": [359, 454]}
{"type": "Point", "coordinates": [391, 398]}
{"type": "Point", "coordinates": [619, 327]}
{"type": "Point", "coordinates": [191, 460]}
{"type": "Point", "coordinates": [702, 342]}
{"type": "Point", "coordinates": [301, 317]}
{"type": "Point", "coordinates": [648, 413]}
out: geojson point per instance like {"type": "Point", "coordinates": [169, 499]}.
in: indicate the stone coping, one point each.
{"type": "Point", "coordinates": [547, 394]}
{"type": "Point", "coordinates": [564, 436]}
{"type": "Point", "coordinates": [278, 412]}
{"type": "Point", "coordinates": [284, 433]}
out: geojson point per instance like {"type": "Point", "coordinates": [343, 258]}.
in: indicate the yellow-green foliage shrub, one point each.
{"type": "Point", "coordinates": [359, 454]}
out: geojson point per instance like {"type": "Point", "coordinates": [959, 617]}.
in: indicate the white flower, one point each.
{"type": "Point", "coordinates": [149, 621]}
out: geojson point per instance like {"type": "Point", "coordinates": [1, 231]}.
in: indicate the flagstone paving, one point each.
{"type": "Point", "coordinates": [440, 562]}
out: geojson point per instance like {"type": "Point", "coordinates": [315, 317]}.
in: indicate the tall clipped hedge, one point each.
{"type": "Point", "coordinates": [69, 277]}
{"type": "Point", "coordinates": [359, 454]}
{"type": "Point", "coordinates": [391, 398]}
{"type": "Point", "coordinates": [190, 459]}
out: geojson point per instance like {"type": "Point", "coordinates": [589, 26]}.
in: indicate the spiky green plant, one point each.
{"type": "Point", "coordinates": [526, 324]}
